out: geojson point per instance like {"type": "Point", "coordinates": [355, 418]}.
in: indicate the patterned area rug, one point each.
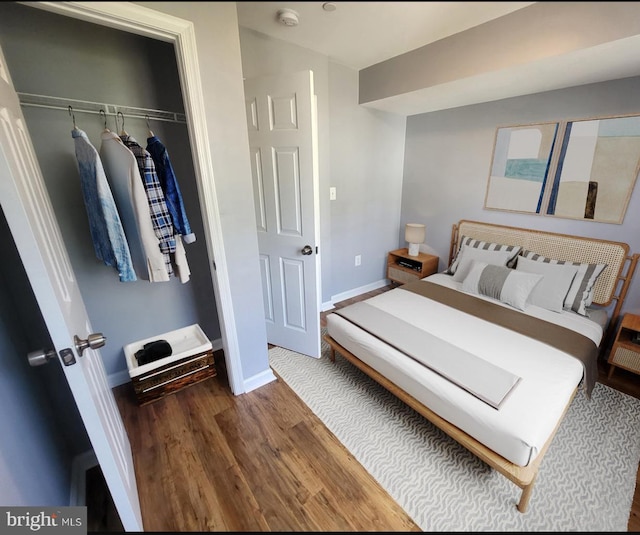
{"type": "Point", "coordinates": [585, 482]}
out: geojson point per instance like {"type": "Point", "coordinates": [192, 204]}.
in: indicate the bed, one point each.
{"type": "Point", "coordinates": [493, 349]}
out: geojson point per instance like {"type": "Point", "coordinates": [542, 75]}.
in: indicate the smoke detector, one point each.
{"type": "Point", "coordinates": [288, 17]}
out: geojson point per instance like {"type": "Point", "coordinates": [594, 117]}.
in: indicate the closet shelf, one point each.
{"type": "Point", "coordinates": [85, 106]}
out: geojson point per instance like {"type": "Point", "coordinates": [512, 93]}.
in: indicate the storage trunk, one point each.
{"type": "Point", "coordinates": [191, 361]}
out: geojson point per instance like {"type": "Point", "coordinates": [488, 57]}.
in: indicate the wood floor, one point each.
{"type": "Point", "coordinates": [210, 461]}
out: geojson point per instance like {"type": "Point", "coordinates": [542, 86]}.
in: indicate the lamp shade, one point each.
{"type": "Point", "coordinates": [415, 233]}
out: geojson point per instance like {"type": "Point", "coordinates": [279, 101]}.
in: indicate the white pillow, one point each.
{"type": "Point", "coordinates": [555, 285]}
{"type": "Point", "coordinates": [505, 284]}
{"type": "Point", "coordinates": [580, 293]}
{"type": "Point", "coordinates": [468, 254]}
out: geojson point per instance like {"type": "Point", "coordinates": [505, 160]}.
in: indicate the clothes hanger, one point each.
{"type": "Point", "coordinates": [150, 133]}
{"type": "Point", "coordinates": [123, 132]}
{"type": "Point", "coordinates": [104, 114]}
{"type": "Point", "coordinates": [73, 117]}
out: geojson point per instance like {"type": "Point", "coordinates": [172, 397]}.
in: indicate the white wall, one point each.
{"type": "Point", "coordinates": [448, 154]}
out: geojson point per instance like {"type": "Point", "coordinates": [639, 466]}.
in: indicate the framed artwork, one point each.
{"type": "Point", "coordinates": [520, 167]}
{"type": "Point", "coordinates": [597, 169]}
{"type": "Point", "coordinates": [583, 169]}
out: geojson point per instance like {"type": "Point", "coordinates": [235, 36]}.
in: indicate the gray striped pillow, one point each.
{"type": "Point", "coordinates": [554, 286]}
{"type": "Point", "coordinates": [580, 293]}
{"type": "Point", "coordinates": [505, 284]}
{"type": "Point", "coordinates": [465, 241]}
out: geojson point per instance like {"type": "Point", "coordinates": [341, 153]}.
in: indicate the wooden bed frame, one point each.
{"type": "Point", "coordinates": [612, 285]}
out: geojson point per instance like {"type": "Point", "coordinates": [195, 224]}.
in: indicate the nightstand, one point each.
{"type": "Point", "coordinates": [402, 268]}
{"type": "Point", "coordinates": [625, 353]}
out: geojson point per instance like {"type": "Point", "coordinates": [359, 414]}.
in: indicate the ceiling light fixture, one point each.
{"type": "Point", "coordinates": [329, 6]}
{"type": "Point", "coordinates": [288, 17]}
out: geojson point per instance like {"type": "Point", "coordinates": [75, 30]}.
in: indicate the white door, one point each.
{"type": "Point", "coordinates": [28, 210]}
{"type": "Point", "coordinates": [281, 120]}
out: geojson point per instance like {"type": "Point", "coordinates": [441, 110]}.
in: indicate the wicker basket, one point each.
{"type": "Point", "coordinates": [191, 361]}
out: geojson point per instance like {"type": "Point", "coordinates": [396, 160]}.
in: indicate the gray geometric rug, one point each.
{"type": "Point", "coordinates": [585, 482]}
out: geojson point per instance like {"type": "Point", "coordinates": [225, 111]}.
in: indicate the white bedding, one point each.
{"type": "Point", "coordinates": [520, 428]}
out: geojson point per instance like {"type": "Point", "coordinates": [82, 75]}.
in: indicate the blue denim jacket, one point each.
{"type": "Point", "coordinates": [169, 184]}
{"type": "Point", "coordinates": [109, 240]}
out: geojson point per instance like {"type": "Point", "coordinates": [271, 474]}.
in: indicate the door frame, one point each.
{"type": "Point", "coordinates": [143, 21]}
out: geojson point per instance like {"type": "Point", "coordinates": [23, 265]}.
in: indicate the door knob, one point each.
{"type": "Point", "coordinates": [40, 357]}
{"type": "Point", "coordinates": [307, 250]}
{"type": "Point", "coordinates": [94, 341]}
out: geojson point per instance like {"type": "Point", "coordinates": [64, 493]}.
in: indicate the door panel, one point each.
{"type": "Point", "coordinates": [34, 228]}
{"type": "Point", "coordinates": [283, 147]}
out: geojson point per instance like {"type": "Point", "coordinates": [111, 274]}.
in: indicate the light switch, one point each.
{"type": "Point", "coordinates": [332, 193]}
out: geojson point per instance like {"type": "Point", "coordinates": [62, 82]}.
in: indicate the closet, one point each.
{"type": "Point", "coordinates": [56, 61]}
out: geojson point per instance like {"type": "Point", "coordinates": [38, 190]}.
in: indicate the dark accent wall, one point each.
{"type": "Point", "coordinates": [52, 55]}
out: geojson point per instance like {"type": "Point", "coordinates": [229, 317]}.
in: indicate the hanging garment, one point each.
{"type": "Point", "coordinates": [123, 174]}
{"type": "Point", "coordinates": [109, 240]}
{"type": "Point", "coordinates": [160, 216]}
{"type": "Point", "coordinates": [169, 184]}
{"type": "Point", "coordinates": [180, 258]}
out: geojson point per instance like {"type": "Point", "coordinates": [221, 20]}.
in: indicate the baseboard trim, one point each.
{"type": "Point", "coordinates": [358, 291]}
{"type": "Point", "coordinates": [259, 380]}
{"type": "Point", "coordinates": [327, 306]}
{"type": "Point", "coordinates": [79, 466]}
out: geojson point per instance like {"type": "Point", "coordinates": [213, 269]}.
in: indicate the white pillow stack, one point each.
{"type": "Point", "coordinates": [499, 282]}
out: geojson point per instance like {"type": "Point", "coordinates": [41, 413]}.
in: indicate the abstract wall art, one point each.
{"type": "Point", "coordinates": [581, 169]}
{"type": "Point", "coordinates": [597, 169]}
{"type": "Point", "coordinates": [520, 167]}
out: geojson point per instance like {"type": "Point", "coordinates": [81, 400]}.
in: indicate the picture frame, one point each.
{"type": "Point", "coordinates": [597, 169]}
{"type": "Point", "coordinates": [520, 167]}
{"type": "Point", "coordinates": [582, 169]}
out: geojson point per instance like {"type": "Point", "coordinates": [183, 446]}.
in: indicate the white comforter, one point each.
{"type": "Point", "coordinates": [525, 421]}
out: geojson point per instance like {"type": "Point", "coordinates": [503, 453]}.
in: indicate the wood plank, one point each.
{"type": "Point", "coordinates": [238, 439]}
{"type": "Point", "coordinates": [210, 461]}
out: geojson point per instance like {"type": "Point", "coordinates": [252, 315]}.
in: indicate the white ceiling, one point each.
{"type": "Point", "coordinates": [360, 34]}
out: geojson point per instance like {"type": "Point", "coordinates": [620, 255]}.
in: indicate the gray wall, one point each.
{"type": "Point", "coordinates": [64, 57]}
{"type": "Point", "coordinates": [448, 154]}
{"type": "Point", "coordinates": [41, 427]}
{"type": "Point", "coordinates": [367, 156]}
{"type": "Point", "coordinates": [216, 32]}
{"type": "Point", "coordinates": [536, 32]}
{"type": "Point", "coordinates": [31, 474]}
{"type": "Point", "coordinates": [360, 153]}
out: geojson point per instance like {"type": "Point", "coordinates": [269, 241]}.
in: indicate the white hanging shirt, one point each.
{"type": "Point", "coordinates": [121, 168]}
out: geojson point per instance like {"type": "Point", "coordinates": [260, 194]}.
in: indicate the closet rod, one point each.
{"type": "Point", "coordinates": [85, 106]}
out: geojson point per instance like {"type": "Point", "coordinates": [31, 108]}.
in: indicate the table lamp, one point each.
{"type": "Point", "coordinates": [414, 234]}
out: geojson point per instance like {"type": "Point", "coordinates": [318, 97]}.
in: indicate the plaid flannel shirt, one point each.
{"type": "Point", "coordinates": [160, 216]}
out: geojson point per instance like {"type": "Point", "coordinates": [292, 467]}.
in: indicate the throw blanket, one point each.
{"type": "Point", "coordinates": [566, 340]}
{"type": "Point", "coordinates": [481, 378]}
